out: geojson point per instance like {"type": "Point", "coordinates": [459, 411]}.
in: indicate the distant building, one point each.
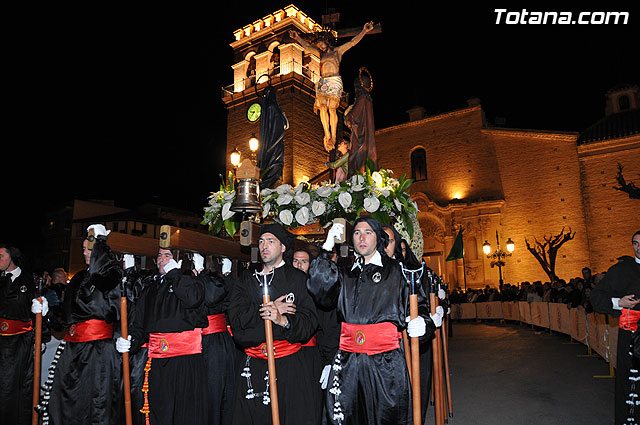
{"type": "Point", "coordinates": [66, 227]}
{"type": "Point", "coordinates": [522, 183]}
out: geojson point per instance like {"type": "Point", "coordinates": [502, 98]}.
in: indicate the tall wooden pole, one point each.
{"type": "Point", "coordinates": [436, 343]}
{"type": "Point", "coordinates": [125, 356]}
{"type": "Point", "coordinates": [271, 362]}
{"type": "Point", "coordinates": [415, 362]}
{"type": "Point", "coordinates": [37, 351]}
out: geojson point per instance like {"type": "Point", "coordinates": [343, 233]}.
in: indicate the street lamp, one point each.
{"type": "Point", "coordinates": [254, 144]}
{"type": "Point", "coordinates": [235, 157]}
{"type": "Point", "coordinates": [498, 256]}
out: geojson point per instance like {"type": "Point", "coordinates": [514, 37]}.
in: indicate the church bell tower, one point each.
{"type": "Point", "coordinates": [264, 55]}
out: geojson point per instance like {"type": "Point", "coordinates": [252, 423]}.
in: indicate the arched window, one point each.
{"type": "Point", "coordinates": [623, 103]}
{"type": "Point", "coordinates": [419, 164]}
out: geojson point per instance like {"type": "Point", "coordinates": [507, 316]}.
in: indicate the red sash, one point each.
{"type": "Point", "coordinates": [629, 319]}
{"type": "Point", "coordinates": [311, 343]}
{"type": "Point", "coordinates": [164, 345]}
{"type": "Point", "coordinates": [280, 348]}
{"type": "Point", "coordinates": [217, 323]}
{"type": "Point", "coordinates": [89, 330]}
{"type": "Point", "coordinates": [10, 327]}
{"type": "Point", "coordinates": [370, 339]}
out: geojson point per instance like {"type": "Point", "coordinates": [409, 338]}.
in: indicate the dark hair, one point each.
{"type": "Point", "coordinates": [14, 254]}
{"type": "Point", "coordinates": [382, 239]}
{"type": "Point", "coordinates": [397, 252]}
{"type": "Point", "coordinates": [311, 257]}
{"type": "Point", "coordinates": [634, 235]}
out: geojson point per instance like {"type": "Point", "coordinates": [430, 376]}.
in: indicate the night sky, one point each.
{"type": "Point", "coordinates": [118, 102]}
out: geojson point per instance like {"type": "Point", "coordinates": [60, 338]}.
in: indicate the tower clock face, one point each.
{"type": "Point", "coordinates": [253, 113]}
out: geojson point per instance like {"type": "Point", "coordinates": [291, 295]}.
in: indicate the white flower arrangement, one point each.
{"type": "Point", "coordinates": [376, 193]}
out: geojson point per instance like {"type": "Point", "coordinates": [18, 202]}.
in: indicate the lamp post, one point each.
{"type": "Point", "coordinates": [498, 256]}
{"type": "Point", "coordinates": [234, 157]}
{"type": "Point", "coordinates": [254, 144]}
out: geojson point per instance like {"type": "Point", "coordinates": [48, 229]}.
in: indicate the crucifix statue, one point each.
{"type": "Point", "coordinates": [329, 87]}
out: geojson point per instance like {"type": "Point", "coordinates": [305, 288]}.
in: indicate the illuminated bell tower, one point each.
{"type": "Point", "coordinates": [265, 54]}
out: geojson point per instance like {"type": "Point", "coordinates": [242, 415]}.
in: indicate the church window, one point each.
{"type": "Point", "coordinates": [623, 103]}
{"type": "Point", "coordinates": [419, 164]}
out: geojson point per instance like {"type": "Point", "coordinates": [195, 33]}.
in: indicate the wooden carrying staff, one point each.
{"type": "Point", "coordinates": [447, 374]}
{"type": "Point", "coordinates": [36, 360]}
{"type": "Point", "coordinates": [436, 344]}
{"type": "Point", "coordinates": [125, 356]}
{"type": "Point", "coordinates": [271, 362]}
{"type": "Point", "coordinates": [410, 275]}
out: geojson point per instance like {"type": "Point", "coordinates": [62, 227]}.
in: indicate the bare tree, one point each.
{"type": "Point", "coordinates": [547, 251]}
{"type": "Point", "coordinates": [630, 188]}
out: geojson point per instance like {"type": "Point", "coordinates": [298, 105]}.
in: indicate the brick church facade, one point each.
{"type": "Point", "coordinates": [518, 183]}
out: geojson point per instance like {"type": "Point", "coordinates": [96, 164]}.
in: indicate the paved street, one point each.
{"type": "Point", "coordinates": [512, 374]}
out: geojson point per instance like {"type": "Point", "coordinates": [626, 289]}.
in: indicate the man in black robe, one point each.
{"type": "Point", "coordinates": [218, 348]}
{"type": "Point", "coordinates": [618, 295]}
{"type": "Point", "coordinates": [369, 380]}
{"type": "Point", "coordinates": [169, 318]}
{"type": "Point", "coordinates": [247, 315]}
{"type": "Point", "coordinates": [87, 378]}
{"type": "Point", "coordinates": [17, 292]}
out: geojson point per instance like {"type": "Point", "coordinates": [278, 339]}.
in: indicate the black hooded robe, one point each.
{"type": "Point", "coordinates": [295, 377]}
{"type": "Point", "coordinates": [366, 389]}
{"type": "Point", "coordinates": [87, 383]}
{"type": "Point", "coordinates": [620, 280]}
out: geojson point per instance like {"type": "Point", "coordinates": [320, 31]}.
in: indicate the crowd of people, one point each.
{"type": "Point", "coordinates": [576, 292]}
{"type": "Point", "coordinates": [196, 334]}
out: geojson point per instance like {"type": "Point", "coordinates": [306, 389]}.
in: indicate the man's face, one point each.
{"type": "Point", "coordinates": [164, 256]}
{"type": "Point", "coordinates": [301, 260]}
{"type": "Point", "coordinates": [322, 45]}
{"type": "Point", "coordinates": [636, 245]}
{"type": "Point", "coordinates": [586, 273]}
{"type": "Point", "coordinates": [86, 252]}
{"type": "Point", "coordinates": [6, 264]}
{"type": "Point", "coordinates": [391, 246]}
{"type": "Point", "coordinates": [271, 249]}
{"type": "Point", "coordinates": [364, 239]}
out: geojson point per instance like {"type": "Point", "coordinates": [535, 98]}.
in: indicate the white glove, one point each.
{"type": "Point", "coordinates": [198, 261]}
{"type": "Point", "coordinates": [123, 345]}
{"type": "Point", "coordinates": [99, 230]}
{"type": "Point", "coordinates": [40, 307]}
{"type": "Point", "coordinates": [226, 266]}
{"type": "Point", "coordinates": [417, 327]}
{"type": "Point", "coordinates": [441, 294]}
{"type": "Point", "coordinates": [324, 377]}
{"type": "Point", "coordinates": [172, 264]}
{"type": "Point", "coordinates": [437, 318]}
{"type": "Point", "coordinates": [129, 261]}
{"type": "Point", "coordinates": [334, 233]}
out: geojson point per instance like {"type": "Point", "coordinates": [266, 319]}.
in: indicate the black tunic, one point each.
{"type": "Point", "coordinates": [86, 386]}
{"type": "Point", "coordinates": [219, 351]}
{"type": "Point", "coordinates": [16, 351]}
{"type": "Point", "coordinates": [366, 389]}
{"type": "Point", "coordinates": [177, 385]}
{"type": "Point", "coordinates": [620, 280]}
{"type": "Point", "coordinates": [295, 377]}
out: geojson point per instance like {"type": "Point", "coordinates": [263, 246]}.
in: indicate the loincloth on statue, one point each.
{"type": "Point", "coordinates": [329, 87]}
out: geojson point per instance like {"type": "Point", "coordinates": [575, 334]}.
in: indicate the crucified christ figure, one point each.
{"type": "Point", "coordinates": [329, 87]}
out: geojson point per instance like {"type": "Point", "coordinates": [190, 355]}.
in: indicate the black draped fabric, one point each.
{"type": "Point", "coordinates": [177, 385]}
{"type": "Point", "coordinates": [366, 389]}
{"type": "Point", "coordinates": [272, 126]}
{"type": "Point", "coordinates": [620, 280]}
{"type": "Point", "coordinates": [295, 376]}
{"type": "Point", "coordinates": [86, 387]}
{"type": "Point", "coordinates": [219, 351]}
{"type": "Point", "coordinates": [16, 351]}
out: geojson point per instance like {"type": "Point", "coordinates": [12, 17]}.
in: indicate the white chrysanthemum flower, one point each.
{"type": "Point", "coordinates": [302, 216]}
{"type": "Point", "coordinates": [286, 217]}
{"type": "Point", "coordinates": [284, 199]}
{"type": "Point", "coordinates": [318, 208]}
{"type": "Point", "coordinates": [345, 199]}
{"type": "Point", "coordinates": [371, 204]}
